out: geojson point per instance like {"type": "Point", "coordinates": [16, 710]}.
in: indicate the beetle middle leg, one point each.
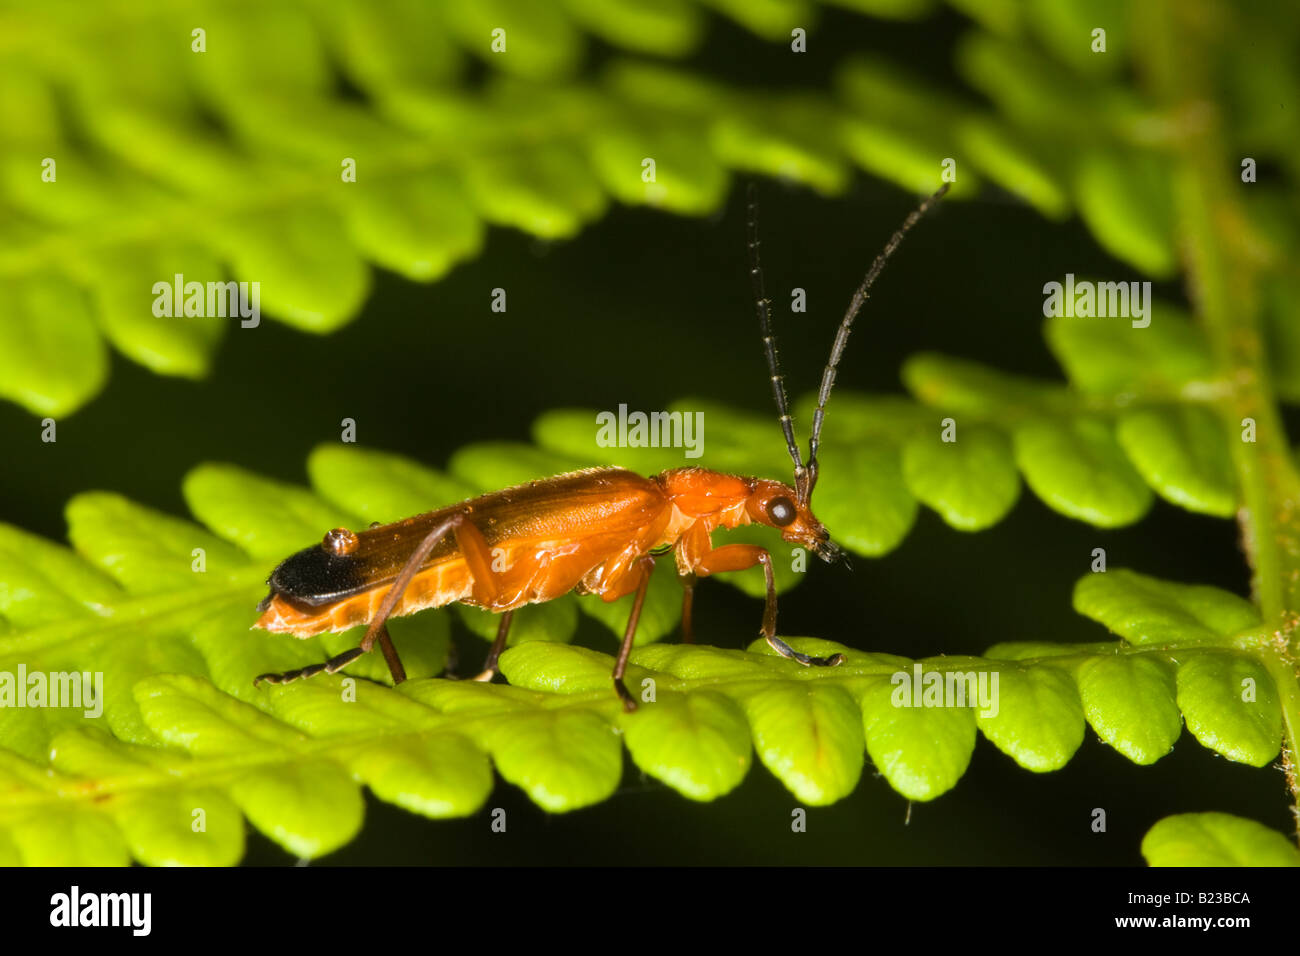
{"type": "Point", "coordinates": [688, 604]}
{"type": "Point", "coordinates": [643, 567]}
{"type": "Point", "coordinates": [490, 668]}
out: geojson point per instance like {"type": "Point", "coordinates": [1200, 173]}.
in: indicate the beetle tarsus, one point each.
{"type": "Point", "coordinates": [807, 660]}
{"type": "Point", "coordinates": [331, 666]}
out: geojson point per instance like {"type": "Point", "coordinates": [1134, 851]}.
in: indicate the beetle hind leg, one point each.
{"type": "Point", "coordinates": [336, 663]}
{"type": "Point", "coordinates": [340, 661]}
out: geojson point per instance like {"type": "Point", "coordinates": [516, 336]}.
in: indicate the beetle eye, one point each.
{"type": "Point", "coordinates": [781, 511]}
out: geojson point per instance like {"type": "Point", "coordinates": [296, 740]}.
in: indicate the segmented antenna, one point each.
{"type": "Point", "coordinates": [764, 307]}
{"type": "Point", "coordinates": [842, 338]}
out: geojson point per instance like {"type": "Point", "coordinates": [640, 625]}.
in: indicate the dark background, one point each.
{"type": "Point", "coordinates": [646, 308]}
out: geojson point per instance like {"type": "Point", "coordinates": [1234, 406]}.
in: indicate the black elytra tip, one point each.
{"type": "Point", "coordinates": [318, 575]}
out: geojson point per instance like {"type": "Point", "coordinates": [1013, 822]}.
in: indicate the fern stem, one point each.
{"type": "Point", "coordinates": [1223, 284]}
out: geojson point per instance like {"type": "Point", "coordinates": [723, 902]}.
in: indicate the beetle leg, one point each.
{"type": "Point", "coordinates": [472, 546]}
{"type": "Point", "coordinates": [499, 645]}
{"type": "Point", "coordinates": [692, 546]}
{"type": "Point", "coordinates": [644, 566]}
{"type": "Point", "coordinates": [335, 663]}
{"type": "Point", "coordinates": [688, 601]}
{"type": "Point", "coordinates": [739, 557]}
{"type": "Point", "coordinates": [390, 655]}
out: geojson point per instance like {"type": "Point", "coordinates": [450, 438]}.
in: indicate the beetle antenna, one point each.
{"type": "Point", "coordinates": [764, 307]}
{"type": "Point", "coordinates": [846, 326]}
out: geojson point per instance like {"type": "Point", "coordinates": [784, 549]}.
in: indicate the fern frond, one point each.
{"type": "Point", "coordinates": [1216, 839]}
{"type": "Point", "coordinates": [227, 162]}
{"type": "Point", "coordinates": [162, 608]}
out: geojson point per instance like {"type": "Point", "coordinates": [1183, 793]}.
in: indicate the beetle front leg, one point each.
{"type": "Point", "coordinates": [741, 557]}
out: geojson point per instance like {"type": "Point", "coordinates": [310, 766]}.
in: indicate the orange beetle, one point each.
{"type": "Point", "coordinates": [590, 531]}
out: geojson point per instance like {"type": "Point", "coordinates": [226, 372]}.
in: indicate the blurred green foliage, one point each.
{"type": "Point", "coordinates": [229, 161]}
